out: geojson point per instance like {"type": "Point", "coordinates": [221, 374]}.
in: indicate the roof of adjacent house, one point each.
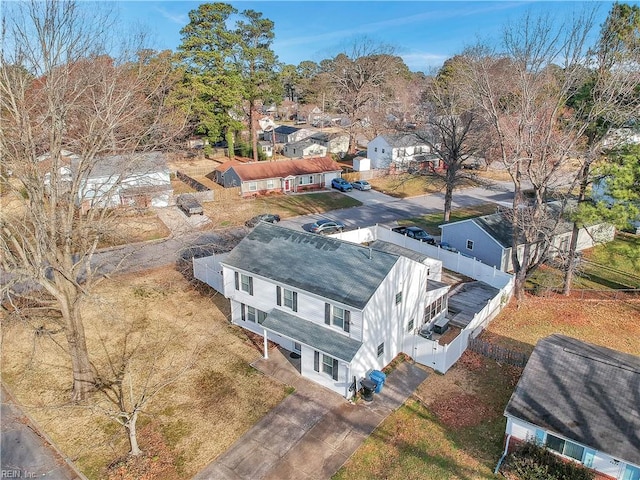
{"type": "Point", "coordinates": [285, 168]}
{"type": "Point", "coordinates": [500, 227]}
{"type": "Point", "coordinates": [304, 143]}
{"type": "Point", "coordinates": [313, 335]}
{"type": "Point", "coordinates": [584, 392]}
{"type": "Point", "coordinates": [286, 129]}
{"type": "Point", "coordinates": [333, 269]}
{"type": "Point", "coordinates": [400, 140]}
{"type": "Point", "coordinates": [223, 167]}
{"type": "Point", "coordinates": [128, 164]}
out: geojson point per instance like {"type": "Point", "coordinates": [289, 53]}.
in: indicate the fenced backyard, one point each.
{"type": "Point", "coordinates": [498, 353]}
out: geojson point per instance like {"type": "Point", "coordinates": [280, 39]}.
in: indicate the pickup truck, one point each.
{"type": "Point", "coordinates": [189, 205]}
{"type": "Point", "coordinates": [416, 233]}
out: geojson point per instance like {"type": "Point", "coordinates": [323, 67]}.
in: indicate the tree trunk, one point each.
{"type": "Point", "coordinates": [133, 438]}
{"type": "Point", "coordinates": [573, 245]}
{"type": "Point", "coordinates": [82, 371]}
{"type": "Point", "coordinates": [252, 127]}
{"type": "Point", "coordinates": [448, 193]}
{"type": "Point", "coordinates": [83, 376]}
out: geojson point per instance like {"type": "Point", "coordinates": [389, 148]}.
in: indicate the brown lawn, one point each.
{"type": "Point", "coordinates": [453, 426]}
{"type": "Point", "coordinates": [189, 423]}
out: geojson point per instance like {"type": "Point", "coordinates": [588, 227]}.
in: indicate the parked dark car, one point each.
{"type": "Point", "coordinates": [265, 217]}
{"type": "Point", "coordinates": [341, 184]}
{"type": "Point", "coordinates": [416, 233]}
{"type": "Point", "coordinates": [189, 204]}
{"type": "Point", "coordinates": [326, 226]}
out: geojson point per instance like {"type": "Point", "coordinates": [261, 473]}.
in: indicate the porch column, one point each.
{"type": "Point", "coordinates": [266, 346]}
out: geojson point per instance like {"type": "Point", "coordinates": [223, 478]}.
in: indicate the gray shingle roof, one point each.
{"type": "Point", "coordinates": [584, 392]}
{"type": "Point", "coordinates": [399, 140]}
{"type": "Point", "coordinates": [499, 226]}
{"type": "Point", "coordinates": [398, 250]}
{"type": "Point", "coordinates": [334, 269]}
{"type": "Point", "coordinates": [286, 129]}
{"type": "Point", "coordinates": [315, 336]}
{"type": "Point", "coordinates": [138, 163]}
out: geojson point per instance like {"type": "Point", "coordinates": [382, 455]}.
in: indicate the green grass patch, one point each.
{"type": "Point", "coordinates": [293, 205]}
{"type": "Point", "coordinates": [431, 222]}
{"type": "Point", "coordinates": [403, 186]}
{"type": "Point", "coordinates": [613, 265]}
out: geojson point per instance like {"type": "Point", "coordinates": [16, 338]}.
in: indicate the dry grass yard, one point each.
{"type": "Point", "coordinates": [186, 425]}
{"type": "Point", "coordinates": [453, 427]}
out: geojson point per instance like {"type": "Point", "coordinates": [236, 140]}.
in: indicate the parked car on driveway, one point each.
{"type": "Point", "coordinates": [361, 185]}
{"type": "Point", "coordinates": [325, 227]}
{"type": "Point", "coordinates": [265, 217]}
{"type": "Point", "coordinates": [416, 233]}
{"type": "Point", "coordinates": [341, 184]}
{"type": "Point", "coordinates": [446, 246]}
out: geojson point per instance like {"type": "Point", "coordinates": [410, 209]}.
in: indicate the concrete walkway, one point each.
{"type": "Point", "coordinates": [313, 431]}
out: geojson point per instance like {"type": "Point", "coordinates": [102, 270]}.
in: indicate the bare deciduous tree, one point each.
{"type": "Point", "coordinates": [135, 369]}
{"type": "Point", "coordinates": [522, 93]}
{"type": "Point", "coordinates": [64, 105]}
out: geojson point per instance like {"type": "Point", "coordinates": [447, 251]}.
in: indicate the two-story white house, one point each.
{"type": "Point", "coordinates": [400, 150]}
{"type": "Point", "coordinates": [343, 307]}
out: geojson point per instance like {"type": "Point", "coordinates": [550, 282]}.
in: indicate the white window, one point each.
{"type": "Point", "coordinates": [398, 298]}
{"type": "Point", "coordinates": [244, 282]}
{"type": "Point", "coordinates": [327, 365]}
{"type": "Point", "coordinates": [434, 309]}
{"type": "Point", "coordinates": [253, 186]}
{"type": "Point", "coordinates": [287, 298]}
{"type": "Point", "coordinates": [306, 180]}
{"type": "Point", "coordinates": [469, 244]}
{"type": "Point", "coordinates": [338, 317]}
{"type": "Point", "coordinates": [251, 314]}
{"type": "Point", "coordinates": [375, 149]}
{"type": "Point", "coordinates": [410, 325]}
{"type": "Point", "coordinates": [381, 349]}
{"type": "Point", "coordinates": [270, 184]}
{"type": "Point", "coordinates": [565, 447]}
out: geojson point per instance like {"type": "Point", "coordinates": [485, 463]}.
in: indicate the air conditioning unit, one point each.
{"type": "Point", "coordinates": [441, 325]}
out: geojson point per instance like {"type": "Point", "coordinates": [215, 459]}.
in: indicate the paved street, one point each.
{"type": "Point", "coordinates": [377, 208]}
{"type": "Point", "coordinates": [24, 452]}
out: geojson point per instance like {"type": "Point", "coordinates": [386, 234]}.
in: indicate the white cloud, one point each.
{"type": "Point", "coordinates": [180, 18]}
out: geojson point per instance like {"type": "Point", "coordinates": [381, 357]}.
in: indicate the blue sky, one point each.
{"type": "Point", "coordinates": [423, 33]}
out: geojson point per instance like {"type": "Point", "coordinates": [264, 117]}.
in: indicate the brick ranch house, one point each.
{"type": "Point", "coordinates": [284, 176]}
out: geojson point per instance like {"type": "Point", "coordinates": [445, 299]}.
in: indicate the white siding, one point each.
{"type": "Point", "coordinates": [602, 462]}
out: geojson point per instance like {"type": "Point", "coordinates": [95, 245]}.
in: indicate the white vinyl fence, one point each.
{"type": "Point", "coordinates": [430, 352]}
{"type": "Point", "coordinates": [209, 270]}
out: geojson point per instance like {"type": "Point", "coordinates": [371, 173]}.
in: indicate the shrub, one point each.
{"type": "Point", "coordinates": [530, 461]}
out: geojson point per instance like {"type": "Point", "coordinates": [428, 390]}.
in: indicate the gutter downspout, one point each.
{"type": "Point", "coordinates": [504, 454]}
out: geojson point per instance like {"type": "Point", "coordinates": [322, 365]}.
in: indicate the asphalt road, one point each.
{"type": "Point", "coordinates": [377, 208]}
{"type": "Point", "coordinates": [24, 453]}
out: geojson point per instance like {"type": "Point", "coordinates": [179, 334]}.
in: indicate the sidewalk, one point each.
{"type": "Point", "coordinates": [313, 431]}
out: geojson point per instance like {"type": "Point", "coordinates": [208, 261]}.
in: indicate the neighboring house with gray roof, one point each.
{"type": "Point", "coordinates": [137, 179]}
{"type": "Point", "coordinates": [489, 238]}
{"type": "Point", "coordinates": [401, 150]}
{"type": "Point", "coordinates": [287, 134]}
{"type": "Point", "coordinates": [581, 401]}
{"type": "Point", "coordinates": [344, 308]}
{"type": "Point", "coordinates": [334, 142]}
{"type": "Point", "coordinates": [304, 148]}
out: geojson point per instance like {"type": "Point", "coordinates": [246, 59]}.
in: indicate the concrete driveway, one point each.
{"type": "Point", "coordinates": [313, 431]}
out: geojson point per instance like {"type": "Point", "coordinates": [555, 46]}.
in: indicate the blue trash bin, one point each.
{"type": "Point", "coordinates": [378, 378]}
